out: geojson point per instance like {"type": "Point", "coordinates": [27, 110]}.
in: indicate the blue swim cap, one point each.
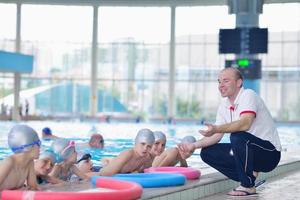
{"type": "Point", "coordinates": [21, 137]}
{"type": "Point", "coordinates": [47, 131]}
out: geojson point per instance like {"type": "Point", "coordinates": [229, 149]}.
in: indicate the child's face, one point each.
{"type": "Point", "coordinates": [97, 143]}
{"type": "Point", "coordinates": [142, 148]}
{"type": "Point", "coordinates": [158, 147]}
{"type": "Point", "coordinates": [43, 166]}
{"type": "Point", "coordinates": [35, 151]}
{"type": "Point", "coordinates": [85, 165]}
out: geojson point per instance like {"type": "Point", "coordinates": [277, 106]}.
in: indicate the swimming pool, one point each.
{"type": "Point", "coordinates": [119, 136]}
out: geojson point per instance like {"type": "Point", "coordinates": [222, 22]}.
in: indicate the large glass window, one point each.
{"type": "Point", "coordinates": [197, 58]}
{"type": "Point", "coordinates": [283, 23]}
{"type": "Point", "coordinates": [133, 59]}
{"type": "Point", "coordinates": [134, 55]}
{"type": "Point", "coordinates": [8, 27]}
{"type": "Point", "coordinates": [7, 43]}
{"type": "Point", "coordinates": [281, 63]}
{"type": "Point", "coordinates": [59, 37]}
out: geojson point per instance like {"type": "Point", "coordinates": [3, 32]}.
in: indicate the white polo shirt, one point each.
{"type": "Point", "coordinates": [247, 101]}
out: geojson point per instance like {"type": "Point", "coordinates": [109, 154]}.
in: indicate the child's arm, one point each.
{"type": "Point", "coordinates": [182, 157]}
{"type": "Point", "coordinates": [53, 180]}
{"type": "Point", "coordinates": [105, 161]}
{"type": "Point", "coordinates": [79, 173]}
{"type": "Point", "coordinates": [183, 163]}
{"type": "Point", "coordinates": [167, 158]}
{"type": "Point", "coordinates": [116, 164]}
{"type": "Point", "coordinates": [6, 165]}
{"type": "Point", "coordinates": [31, 179]}
{"type": "Point", "coordinates": [55, 170]}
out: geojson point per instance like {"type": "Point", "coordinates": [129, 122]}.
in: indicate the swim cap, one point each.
{"type": "Point", "coordinates": [48, 155]}
{"type": "Point", "coordinates": [63, 148]}
{"type": "Point", "coordinates": [158, 135]}
{"type": "Point", "coordinates": [188, 139]}
{"type": "Point", "coordinates": [47, 131]}
{"type": "Point", "coordinates": [20, 137]}
{"type": "Point", "coordinates": [145, 136]}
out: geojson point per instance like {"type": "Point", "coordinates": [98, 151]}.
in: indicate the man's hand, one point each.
{"type": "Point", "coordinates": [186, 147]}
{"type": "Point", "coordinates": [211, 129]}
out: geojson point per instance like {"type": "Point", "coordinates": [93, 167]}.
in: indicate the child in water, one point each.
{"type": "Point", "coordinates": [172, 156]}
{"type": "Point", "coordinates": [43, 166]}
{"type": "Point", "coordinates": [19, 167]}
{"type": "Point", "coordinates": [133, 160]}
{"type": "Point", "coordinates": [66, 157]}
{"type": "Point", "coordinates": [85, 163]}
{"type": "Point", "coordinates": [96, 141]}
{"type": "Point", "coordinates": [47, 134]}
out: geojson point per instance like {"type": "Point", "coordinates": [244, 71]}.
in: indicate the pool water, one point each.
{"type": "Point", "coordinates": [120, 136]}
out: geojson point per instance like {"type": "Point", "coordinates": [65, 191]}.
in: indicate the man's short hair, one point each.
{"type": "Point", "coordinates": [237, 72]}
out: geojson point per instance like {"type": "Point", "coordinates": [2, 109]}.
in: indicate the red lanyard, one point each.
{"type": "Point", "coordinates": [231, 108]}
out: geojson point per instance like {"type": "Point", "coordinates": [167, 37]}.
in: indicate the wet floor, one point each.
{"type": "Point", "coordinates": [285, 187]}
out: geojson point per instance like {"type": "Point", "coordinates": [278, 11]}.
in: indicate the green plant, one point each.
{"type": "Point", "coordinates": [187, 109]}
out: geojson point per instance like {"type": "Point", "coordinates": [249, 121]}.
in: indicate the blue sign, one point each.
{"type": "Point", "coordinates": [15, 62]}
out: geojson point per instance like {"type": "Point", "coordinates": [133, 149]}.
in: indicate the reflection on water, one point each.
{"type": "Point", "coordinates": [119, 137]}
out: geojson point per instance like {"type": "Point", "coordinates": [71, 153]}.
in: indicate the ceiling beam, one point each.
{"type": "Point", "coordinates": [135, 3]}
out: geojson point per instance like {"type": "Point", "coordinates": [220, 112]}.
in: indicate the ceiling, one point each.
{"type": "Point", "coordinates": [153, 3]}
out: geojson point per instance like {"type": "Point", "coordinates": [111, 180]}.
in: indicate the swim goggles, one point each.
{"type": "Point", "coordinates": [86, 156]}
{"type": "Point", "coordinates": [22, 147]}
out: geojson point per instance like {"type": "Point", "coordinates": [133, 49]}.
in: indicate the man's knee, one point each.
{"type": "Point", "coordinates": [204, 154]}
{"type": "Point", "coordinates": [237, 137]}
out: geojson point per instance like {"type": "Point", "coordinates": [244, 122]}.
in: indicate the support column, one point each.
{"type": "Point", "coordinates": [171, 96]}
{"type": "Point", "coordinates": [17, 76]}
{"type": "Point", "coordinates": [94, 71]}
{"type": "Point", "coordinates": [247, 16]}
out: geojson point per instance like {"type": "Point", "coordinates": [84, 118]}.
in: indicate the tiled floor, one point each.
{"type": "Point", "coordinates": [285, 187]}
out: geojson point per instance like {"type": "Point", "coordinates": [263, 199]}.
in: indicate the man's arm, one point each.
{"type": "Point", "coordinates": [214, 133]}
{"type": "Point", "coordinates": [204, 142]}
{"type": "Point", "coordinates": [243, 124]}
{"type": "Point", "coordinates": [208, 141]}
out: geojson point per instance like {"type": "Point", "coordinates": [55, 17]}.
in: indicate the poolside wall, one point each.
{"type": "Point", "coordinates": [211, 184]}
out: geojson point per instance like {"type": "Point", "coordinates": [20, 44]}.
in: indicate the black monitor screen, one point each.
{"type": "Point", "coordinates": [230, 41]}
{"type": "Point", "coordinates": [258, 40]}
